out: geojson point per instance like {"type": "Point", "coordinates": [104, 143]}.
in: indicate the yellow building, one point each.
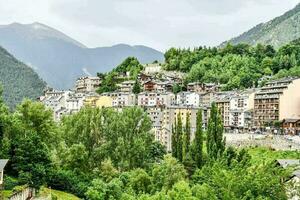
{"type": "Point", "coordinates": [99, 101]}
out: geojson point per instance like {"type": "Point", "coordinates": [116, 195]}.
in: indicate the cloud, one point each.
{"type": "Point", "coordinates": [156, 23]}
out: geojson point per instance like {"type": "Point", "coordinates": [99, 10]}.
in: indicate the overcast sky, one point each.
{"type": "Point", "coordinates": [155, 23]}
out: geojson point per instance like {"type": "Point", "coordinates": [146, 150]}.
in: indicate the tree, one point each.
{"type": "Point", "coordinates": [136, 87]}
{"type": "Point", "coordinates": [36, 117]}
{"type": "Point", "coordinates": [179, 137]}
{"type": "Point", "coordinates": [31, 160]}
{"type": "Point", "coordinates": [198, 141]}
{"type": "Point", "coordinates": [187, 132]}
{"type": "Point", "coordinates": [215, 140]}
{"type": "Point", "coordinates": [167, 173]}
{"type": "Point", "coordinates": [174, 140]}
{"type": "Point", "coordinates": [176, 88]}
{"type": "Point", "coordinates": [181, 190]}
{"type": "Point", "coordinates": [4, 126]}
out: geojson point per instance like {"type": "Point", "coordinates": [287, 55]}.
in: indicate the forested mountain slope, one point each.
{"type": "Point", "coordinates": [18, 80]}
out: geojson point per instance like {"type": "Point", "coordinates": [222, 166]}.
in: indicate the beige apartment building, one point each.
{"type": "Point", "coordinates": [276, 101]}
{"type": "Point", "coordinates": [223, 105]}
{"type": "Point", "coordinates": [87, 84]}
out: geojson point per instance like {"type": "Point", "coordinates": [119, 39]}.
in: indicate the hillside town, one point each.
{"type": "Point", "coordinates": [273, 108]}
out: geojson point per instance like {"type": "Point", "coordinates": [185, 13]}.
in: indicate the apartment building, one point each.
{"type": "Point", "coordinates": [156, 99]}
{"type": "Point", "coordinates": [121, 99]}
{"type": "Point", "coordinates": [126, 86]}
{"type": "Point", "coordinates": [87, 84]}
{"type": "Point", "coordinates": [188, 99]}
{"type": "Point", "coordinates": [276, 101]}
{"type": "Point", "coordinates": [241, 109]}
{"type": "Point", "coordinates": [223, 105]}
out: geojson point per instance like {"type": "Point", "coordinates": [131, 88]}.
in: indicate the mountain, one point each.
{"type": "Point", "coordinates": [277, 32]}
{"type": "Point", "coordinates": [59, 59]}
{"type": "Point", "coordinates": [18, 80]}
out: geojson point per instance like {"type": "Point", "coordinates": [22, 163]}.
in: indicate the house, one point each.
{"type": "Point", "coordinates": [87, 84]}
{"type": "Point", "coordinates": [3, 163]}
{"type": "Point", "coordinates": [291, 126]}
{"type": "Point", "coordinates": [152, 68]}
{"type": "Point", "coordinates": [276, 101]}
{"type": "Point", "coordinates": [293, 182]}
{"type": "Point", "coordinates": [142, 77]}
{"type": "Point", "coordinates": [195, 87]}
{"type": "Point", "coordinates": [126, 86]}
{"type": "Point", "coordinates": [203, 87]}
{"type": "Point", "coordinates": [149, 86]}
{"type": "Point", "coordinates": [163, 86]}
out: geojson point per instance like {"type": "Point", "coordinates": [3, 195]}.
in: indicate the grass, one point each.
{"type": "Point", "coordinates": [45, 192]}
{"type": "Point", "coordinates": [7, 193]}
{"type": "Point", "coordinates": [263, 154]}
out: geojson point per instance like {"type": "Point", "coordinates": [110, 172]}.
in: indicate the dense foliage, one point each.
{"type": "Point", "coordinates": [18, 80]}
{"type": "Point", "coordinates": [239, 66]}
{"type": "Point", "coordinates": [127, 70]}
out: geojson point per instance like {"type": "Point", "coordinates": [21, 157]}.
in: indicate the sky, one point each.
{"type": "Point", "coordinates": [160, 24]}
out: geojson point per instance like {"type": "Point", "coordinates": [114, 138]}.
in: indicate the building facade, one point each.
{"type": "Point", "coordinates": [276, 101]}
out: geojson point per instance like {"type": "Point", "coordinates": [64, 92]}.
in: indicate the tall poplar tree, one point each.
{"type": "Point", "coordinates": [174, 141]}
{"type": "Point", "coordinates": [179, 138]}
{"type": "Point", "coordinates": [198, 141]}
{"type": "Point", "coordinates": [187, 133]}
{"type": "Point", "coordinates": [215, 141]}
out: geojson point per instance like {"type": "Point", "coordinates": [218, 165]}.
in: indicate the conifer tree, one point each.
{"type": "Point", "coordinates": [215, 141]}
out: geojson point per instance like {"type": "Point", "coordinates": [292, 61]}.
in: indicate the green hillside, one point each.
{"type": "Point", "coordinates": [18, 80]}
{"type": "Point", "coordinates": [277, 32]}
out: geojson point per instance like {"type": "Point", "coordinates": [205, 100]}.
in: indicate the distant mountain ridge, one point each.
{"type": "Point", "coordinates": [277, 32]}
{"type": "Point", "coordinates": [18, 80]}
{"type": "Point", "coordinates": [59, 59]}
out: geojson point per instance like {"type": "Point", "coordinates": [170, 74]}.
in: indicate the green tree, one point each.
{"type": "Point", "coordinates": [167, 173]}
{"type": "Point", "coordinates": [187, 132]}
{"type": "Point", "coordinates": [198, 141]}
{"type": "Point", "coordinates": [179, 137]}
{"type": "Point", "coordinates": [136, 87]}
{"type": "Point", "coordinates": [31, 159]}
{"type": "Point", "coordinates": [215, 141]}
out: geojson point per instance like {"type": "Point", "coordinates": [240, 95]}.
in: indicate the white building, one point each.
{"type": "Point", "coordinates": [240, 108]}
{"type": "Point", "coordinates": [152, 68]}
{"type": "Point", "coordinates": [156, 99]}
{"type": "Point", "coordinates": [188, 99]}
{"type": "Point", "coordinates": [75, 102]}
